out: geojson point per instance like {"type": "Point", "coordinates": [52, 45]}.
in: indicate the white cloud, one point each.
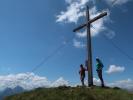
{"type": "Point", "coordinates": [96, 27]}
{"type": "Point", "coordinates": [76, 10]}
{"type": "Point", "coordinates": [28, 81]}
{"type": "Point", "coordinates": [96, 82]}
{"type": "Point", "coordinates": [59, 82]}
{"type": "Point", "coordinates": [117, 2]}
{"type": "Point", "coordinates": [81, 34]}
{"type": "Point", "coordinates": [115, 69]}
{"type": "Point", "coordinates": [124, 84]}
{"type": "Point", "coordinates": [99, 25]}
{"type": "Point", "coordinates": [68, 1]}
{"type": "Point", "coordinates": [110, 34]}
{"type": "Point", "coordinates": [78, 44]}
{"type": "Point", "coordinates": [31, 81]}
{"type": "Point", "coordinates": [73, 12]}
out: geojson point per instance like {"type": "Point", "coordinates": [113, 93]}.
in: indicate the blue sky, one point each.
{"type": "Point", "coordinates": [30, 30]}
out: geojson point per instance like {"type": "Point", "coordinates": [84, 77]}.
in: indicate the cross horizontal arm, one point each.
{"type": "Point", "coordinates": [92, 20]}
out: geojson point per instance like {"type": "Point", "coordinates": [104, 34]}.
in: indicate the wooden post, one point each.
{"type": "Point", "coordinates": [89, 49]}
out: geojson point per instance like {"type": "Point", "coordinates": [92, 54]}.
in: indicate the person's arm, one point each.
{"type": "Point", "coordinates": [86, 69]}
{"type": "Point", "coordinates": [79, 72]}
{"type": "Point", "coordinates": [102, 65]}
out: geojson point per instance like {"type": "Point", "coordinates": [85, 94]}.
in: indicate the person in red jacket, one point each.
{"type": "Point", "coordinates": [82, 74]}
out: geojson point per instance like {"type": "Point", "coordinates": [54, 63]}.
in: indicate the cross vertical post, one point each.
{"type": "Point", "coordinates": [89, 49]}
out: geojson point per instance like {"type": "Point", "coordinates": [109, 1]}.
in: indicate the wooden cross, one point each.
{"type": "Point", "coordinates": [89, 48]}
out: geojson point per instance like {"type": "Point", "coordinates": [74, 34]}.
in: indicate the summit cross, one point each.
{"type": "Point", "coordinates": [89, 47]}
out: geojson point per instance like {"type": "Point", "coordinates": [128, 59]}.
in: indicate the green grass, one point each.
{"type": "Point", "coordinates": [78, 93]}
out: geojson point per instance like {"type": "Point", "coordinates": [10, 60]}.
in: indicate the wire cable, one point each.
{"type": "Point", "coordinates": [110, 41]}
{"type": "Point", "coordinates": [59, 48]}
{"type": "Point", "coordinates": [52, 54]}
{"type": "Point", "coordinates": [116, 46]}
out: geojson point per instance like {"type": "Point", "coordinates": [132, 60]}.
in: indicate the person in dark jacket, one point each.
{"type": "Point", "coordinates": [82, 74]}
{"type": "Point", "coordinates": [99, 68]}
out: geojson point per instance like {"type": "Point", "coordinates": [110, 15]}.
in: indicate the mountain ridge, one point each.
{"type": "Point", "coordinates": [9, 91]}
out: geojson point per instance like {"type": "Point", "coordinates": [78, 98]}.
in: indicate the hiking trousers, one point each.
{"type": "Point", "coordinates": [99, 72]}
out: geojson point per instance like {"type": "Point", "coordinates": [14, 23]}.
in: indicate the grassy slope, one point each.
{"type": "Point", "coordinates": [95, 93]}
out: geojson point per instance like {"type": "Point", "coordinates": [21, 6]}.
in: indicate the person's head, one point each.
{"type": "Point", "coordinates": [97, 59]}
{"type": "Point", "coordinates": [81, 66]}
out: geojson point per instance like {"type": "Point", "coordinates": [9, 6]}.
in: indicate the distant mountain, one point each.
{"type": "Point", "coordinates": [9, 91]}
{"type": "Point", "coordinates": [18, 89]}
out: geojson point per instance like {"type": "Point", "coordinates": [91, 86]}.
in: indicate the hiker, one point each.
{"type": "Point", "coordinates": [82, 74]}
{"type": "Point", "coordinates": [99, 68]}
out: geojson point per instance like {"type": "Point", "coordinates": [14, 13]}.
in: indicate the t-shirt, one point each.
{"type": "Point", "coordinates": [82, 71]}
{"type": "Point", "coordinates": [99, 65]}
